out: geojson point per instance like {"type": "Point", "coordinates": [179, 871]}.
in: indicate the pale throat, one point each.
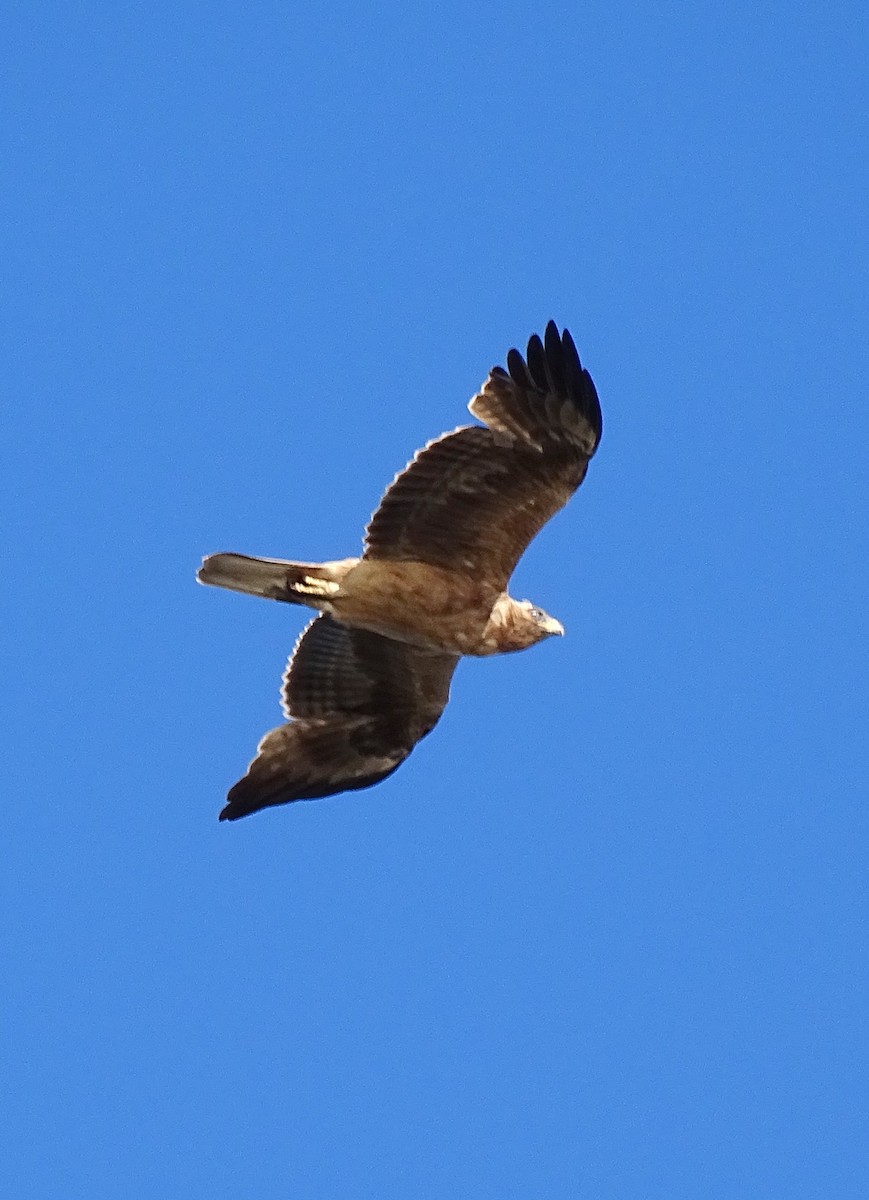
{"type": "Point", "coordinates": [508, 628]}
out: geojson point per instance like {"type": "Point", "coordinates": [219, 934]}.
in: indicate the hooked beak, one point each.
{"type": "Point", "coordinates": [553, 627]}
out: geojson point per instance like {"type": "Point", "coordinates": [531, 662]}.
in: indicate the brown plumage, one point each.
{"type": "Point", "coordinates": [370, 676]}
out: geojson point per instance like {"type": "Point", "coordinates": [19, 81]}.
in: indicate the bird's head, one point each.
{"type": "Point", "coordinates": [516, 625]}
{"type": "Point", "coordinates": [539, 622]}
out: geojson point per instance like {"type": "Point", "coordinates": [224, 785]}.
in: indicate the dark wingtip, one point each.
{"type": "Point", "coordinates": [246, 797]}
{"type": "Point", "coordinates": [538, 364]}
{"type": "Point", "coordinates": [555, 358]}
{"type": "Point", "coordinates": [552, 339]}
{"type": "Point", "coordinates": [553, 363]}
{"type": "Point", "coordinates": [240, 802]}
{"type": "Point", "coordinates": [518, 369]}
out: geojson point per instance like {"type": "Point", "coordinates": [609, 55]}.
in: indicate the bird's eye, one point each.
{"type": "Point", "coordinates": [537, 614]}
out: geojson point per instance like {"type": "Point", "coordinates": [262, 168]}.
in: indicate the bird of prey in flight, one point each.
{"type": "Point", "coordinates": [370, 675]}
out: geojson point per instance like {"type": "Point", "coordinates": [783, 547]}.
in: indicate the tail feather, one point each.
{"type": "Point", "coordinates": [275, 579]}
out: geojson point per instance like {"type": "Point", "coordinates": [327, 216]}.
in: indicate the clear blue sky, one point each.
{"type": "Point", "coordinates": [605, 933]}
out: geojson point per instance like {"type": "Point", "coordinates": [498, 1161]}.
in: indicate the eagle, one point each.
{"type": "Point", "coordinates": [370, 675]}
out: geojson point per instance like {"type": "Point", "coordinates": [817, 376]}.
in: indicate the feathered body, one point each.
{"type": "Point", "coordinates": [371, 675]}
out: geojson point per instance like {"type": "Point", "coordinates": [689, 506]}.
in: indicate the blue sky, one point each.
{"type": "Point", "coordinates": [604, 934]}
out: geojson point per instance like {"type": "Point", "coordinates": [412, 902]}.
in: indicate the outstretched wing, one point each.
{"type": "Point", "coordinates": [472, 500]}
{"type": "Point", "coordinates": [357, 704]}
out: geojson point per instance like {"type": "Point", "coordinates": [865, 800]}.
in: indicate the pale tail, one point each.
{"type": "Point", "coordinates": [275, 579]}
